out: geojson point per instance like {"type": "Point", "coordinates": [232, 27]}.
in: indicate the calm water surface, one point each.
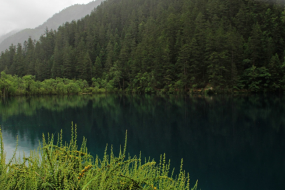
{"type": "Point", "coordinates": [227, 143]}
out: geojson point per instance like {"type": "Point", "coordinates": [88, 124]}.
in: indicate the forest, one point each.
{"type": "Point", "coordinates": [168, 46]}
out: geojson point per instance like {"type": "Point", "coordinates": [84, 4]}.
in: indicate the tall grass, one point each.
{"type": "Point", "coordinates": [57, 165]}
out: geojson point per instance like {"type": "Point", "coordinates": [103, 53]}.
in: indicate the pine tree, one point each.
{"type": "Point", "coordinates": [84, 67]}
{"type": "Point", "coordinates": [97, 68]}
{"type": "Point", "coordinates": [67, 69]}
{"type": "Point", "coordinates": [30, 59]}
{"type": "Point", "coordinates": [110, 57]}
{"type": "Point", "coordinates": [56, 70]}
{"type": "Point", "coordinates": [200, 36]}
{"type": "Point", "coordinates": [19, 61]}
{"type": "Point", "coordinates": [276, 74]}
{"type": "Point", "coordinates": [183, 63]}
{"type": "Point", "coordinates": [255, 45]}
{"type": "Point", "coordinates": [10, 59]}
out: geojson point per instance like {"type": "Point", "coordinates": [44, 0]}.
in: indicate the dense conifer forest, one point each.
{"type": "Point", "coordinates": [163, 45]}
{"type": "Point", "coordinates": [68, 14]}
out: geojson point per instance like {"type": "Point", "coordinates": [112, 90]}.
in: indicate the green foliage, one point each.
{"type": "Point", "coordinates": [66, 166]}
{"type": "Point", "coordinates": [27, 85]}
{"type": "Point", "coordinates": [97, 69]}
{"type": "Point", "coordinates": [255, 77]}
{"type": "Point", "coordinates": [144, 83]}
{"type": "Point", "coordinates": [168, 46]}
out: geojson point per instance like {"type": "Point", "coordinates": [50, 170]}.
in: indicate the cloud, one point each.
{"type": "Point", "coordinates": [19, 14]}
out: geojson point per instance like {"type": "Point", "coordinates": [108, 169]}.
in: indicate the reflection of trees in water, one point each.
{"type": "Point", "coordinates": [29, 105]}
{"type": "Point", "coordinates": [227, 137]}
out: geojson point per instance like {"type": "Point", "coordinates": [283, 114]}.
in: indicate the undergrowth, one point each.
{"type": "Point", "coordinates": [55, 166]}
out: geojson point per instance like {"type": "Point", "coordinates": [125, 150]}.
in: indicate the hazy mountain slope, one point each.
{"type": "Point", "coordinates": [73, 12]}
{"type": "Point", "coordinates": [3, 37]}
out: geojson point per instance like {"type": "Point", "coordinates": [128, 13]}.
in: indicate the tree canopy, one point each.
{"type": "Point", "coordinates": [167, 45]}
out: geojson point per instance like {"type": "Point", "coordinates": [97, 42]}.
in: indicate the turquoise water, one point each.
{"type": "Point", "coordinates": [226, 142]}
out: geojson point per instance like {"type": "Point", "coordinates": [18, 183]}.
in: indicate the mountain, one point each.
{"type": "Point", "coordinates": [170, 46]}
{"type": "Point", "coordinates": [69, 14]}
{"type": "Point", "coordinates": [3, 37]}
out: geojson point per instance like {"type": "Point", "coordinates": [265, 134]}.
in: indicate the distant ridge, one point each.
{"type": "Point", "coordinates": [68, 14]}
{"type": "Point", "coordinates": [3, 37]}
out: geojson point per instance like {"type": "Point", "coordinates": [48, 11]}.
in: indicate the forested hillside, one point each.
{"type": "Point", "coordinates": [166, 45]}
{"type": "Point", "coordinates": [68, 14]}
{"type": "Point", "coordinates": [4, 36]}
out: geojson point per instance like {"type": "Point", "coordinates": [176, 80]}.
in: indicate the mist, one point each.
{"type": "Point", "coordinates": [19, 14]}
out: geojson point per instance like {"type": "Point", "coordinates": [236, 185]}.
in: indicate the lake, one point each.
{"type": "Point", "coordinates": [226, 142]}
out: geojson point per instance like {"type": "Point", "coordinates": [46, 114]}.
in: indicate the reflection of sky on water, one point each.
{"type": "Point", "coordinates": [10, 142]}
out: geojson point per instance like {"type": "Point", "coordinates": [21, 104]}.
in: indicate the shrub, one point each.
{"type": "Point", "coordinates": [58, 166]}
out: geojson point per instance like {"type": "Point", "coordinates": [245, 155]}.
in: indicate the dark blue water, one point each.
{"type": "Point", "coordinates": [226, 142]}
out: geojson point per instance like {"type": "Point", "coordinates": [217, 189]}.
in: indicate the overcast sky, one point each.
{"type": "Point", "coordinates": [20, 14]}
